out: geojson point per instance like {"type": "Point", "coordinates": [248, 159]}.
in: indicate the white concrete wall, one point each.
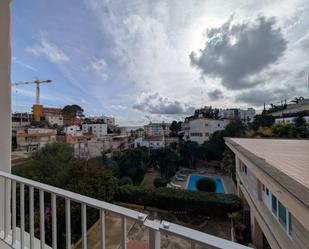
{"type": "Point", "coordinates": [204, 127]}
{"type": "Point", "coordinates": [5, 94]}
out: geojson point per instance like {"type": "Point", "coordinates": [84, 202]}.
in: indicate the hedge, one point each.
{"type": "Point", "coordinates": [179, 200]}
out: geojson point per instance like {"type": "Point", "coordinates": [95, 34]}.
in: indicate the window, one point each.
{"type": "Point", "coordinates": [267, 191]}
{"type": "Point", "coordinates": [274, 204]}
{"type": "Point", "coordinates": [282, 214]}
{"type": "Point", "coordinates": [290, 223]}
{"type": "Point", "coordinates": [218, 125]}
{"type": "Point", "coordinates": [207, 134]}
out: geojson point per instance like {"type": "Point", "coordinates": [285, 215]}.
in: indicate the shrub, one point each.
{"type": "Point", "coordinates": [160, 182]}
{"type": "Point", "coordinates": [206, 184]}
{"type": "Point", "coordinates": [179, 200]}
{"type": "Point", "coordinates": [125, 180]}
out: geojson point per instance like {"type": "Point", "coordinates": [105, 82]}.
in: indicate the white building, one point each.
{"type": "Point", "coordinates": [200, 129]}
{"type": "Point", "coordinates": [54, 120]}
{"type": "Point", "coordinates": [154, 142]}
{"type": "Point", "coordinates": [289, 120]}
{"type": "Point", "coordinates": [72, 130]}
{"type": "Point", "coordinates": [99, 129]}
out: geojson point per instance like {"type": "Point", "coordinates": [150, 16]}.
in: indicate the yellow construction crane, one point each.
{"type": "Point", "coordinates": [37, 108]}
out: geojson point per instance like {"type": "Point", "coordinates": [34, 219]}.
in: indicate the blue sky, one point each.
{"type": "Point", "coordinates": [158, 60]}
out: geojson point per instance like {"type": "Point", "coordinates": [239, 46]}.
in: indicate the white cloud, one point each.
{"type": "Point", "coordinates": [20, 63]}
{"type": "Point", "coordinates": [46, 48]}
{"type": "Point", "coordinates": [154, 103]}
{"type": "Point", "coordinates": [99, 67]}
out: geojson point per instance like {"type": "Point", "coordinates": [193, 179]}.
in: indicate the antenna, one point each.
{"type": "Point", "coordinates": [308, 84]}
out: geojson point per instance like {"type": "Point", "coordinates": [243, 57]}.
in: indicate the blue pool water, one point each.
{"type": "Point", "coordinates": [194, 178]}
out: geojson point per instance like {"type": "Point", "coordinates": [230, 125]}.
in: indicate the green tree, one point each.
{"type": "Point", "coordinates": [299, 121]}
{"type": "Point", "coordinates": [71, 110]}
{"type": "Point", "coordinates": [234, 129]}
{"type": "Point", "coordinates": [189, 153]}
{"type": "Point", "coordinates": [166, 160]}
{"type": "Point", "coordinates": [175, 128]}
{"type": "Point", "coordinates": [160, 182]}
{"type": "Point", "coordinates": [132, 163]}
{"type": "Point", "coordinates": [262, 121]}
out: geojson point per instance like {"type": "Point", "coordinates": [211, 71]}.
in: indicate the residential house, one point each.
{"type": "Point", "coordinates": [200, 129]}
{"type": "Point", "coordinates": [72, 130]}
{"type": "Point", "coordinates": [98, 128]}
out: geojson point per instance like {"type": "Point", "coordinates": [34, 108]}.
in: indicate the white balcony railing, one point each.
{"type": "Point", "coordinates": [17, 237]}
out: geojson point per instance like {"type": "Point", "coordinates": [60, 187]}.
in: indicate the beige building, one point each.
{"type": "Point", "coordinates": [273, 183]}
{"type": "Point", "coordinates": [32, 139]}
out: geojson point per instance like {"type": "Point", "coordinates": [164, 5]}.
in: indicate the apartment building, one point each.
{"type": "Point", "coordinates": [273, 183]}
{"type": "Point", "coordinates": [200, 129]}
{"type": "Point", "coordinates": [236, 113]}
{"type": "Point", "coordinates": [98, 128]}
{"type": "Point", "coordinates": [157, 129]}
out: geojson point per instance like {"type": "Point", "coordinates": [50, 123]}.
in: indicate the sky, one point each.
{"type": "Point", "coordinates": [142, 61]}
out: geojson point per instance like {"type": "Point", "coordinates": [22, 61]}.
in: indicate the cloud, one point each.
{"type": "Point", "coordinates": [257, 97]}
{"type": "Point", "coordinates": [215, 94]}
{"type": "Point", "coordinates": [20, 63]}
{"type": "Point", "coordinates": [236, 53]}
{"type": "Point", "coordinates": [99, 67]}
{"type": "Point", "coordinates": [156, 104]}
{"type": "Point", "coordinates": [49, 50]}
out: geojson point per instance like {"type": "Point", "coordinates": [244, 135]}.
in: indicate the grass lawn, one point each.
{"type": "Point", "coordinates": [149, 177]}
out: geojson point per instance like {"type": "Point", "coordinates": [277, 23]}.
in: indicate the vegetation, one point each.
{"type": "Point", "coordinates": [206, 185]}
{"type": "Point", "coordinates": [132, 163]}
{"type": "Point", "coordinates": [71, 110]}
{"type": "Point", "coordinates": [54, 165]}
{"type": "Point", "coordinates": [166, 160]}
{"type": "Point", "coordinates": [160, 182]}
{"type": "Point", "coordinates": [175, 128]}
{"type": "Point", "coordinates": [178, 200]}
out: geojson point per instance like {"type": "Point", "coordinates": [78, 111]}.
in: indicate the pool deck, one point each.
{"type": "Point", "coordinates": [229, 186]}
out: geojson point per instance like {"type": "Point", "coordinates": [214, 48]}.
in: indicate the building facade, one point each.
{"type": "Point", "coordinates": [32, 139]}
{"type": "Point", "coordinates": [72, 130]}
{"type": "Point", "coordinates": [99, 129]}
{"type": "Point", "coordinates": [200, 129]}
{"type": "Point", "coordinates": [273, 184]}
{"type": "Point", "coordinates": [21, 120]}
{"type": "Point", "coordinates": [245, 116]}
{"type": "Point", "coordinates": [289, 120]}
{"type": "Point", "coordinates": [157, 129]}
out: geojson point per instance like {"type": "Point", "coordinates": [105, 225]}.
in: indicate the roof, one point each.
{"type": "Point", "coordinates": [285, 160]}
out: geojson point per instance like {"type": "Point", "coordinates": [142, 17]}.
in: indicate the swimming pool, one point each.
{"type": "Point", "coordinates": [194, 178]}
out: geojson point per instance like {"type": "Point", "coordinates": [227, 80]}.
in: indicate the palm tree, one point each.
{"type": "Point", "coordinates": [297, 100]}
